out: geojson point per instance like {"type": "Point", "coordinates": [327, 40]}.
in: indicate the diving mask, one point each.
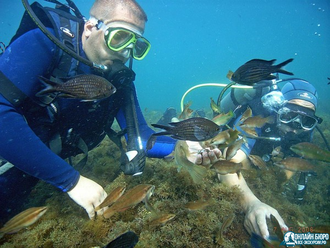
{"type": "Point", "coordinates": [119, 38]}
{"type": "Point", "coordinates": [286, 116]}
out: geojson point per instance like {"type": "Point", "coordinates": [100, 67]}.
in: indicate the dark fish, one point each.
{"type": "Point", "coordinates": [85, 87]}
{"type": "Point", "coordinates": [329, 79]}
{"type": "Point", "coordinates": [126, 240]}
{"type": "Point", "coordinates": [257, 70]}
{"type": "Point", "coordinates": [193, 129]}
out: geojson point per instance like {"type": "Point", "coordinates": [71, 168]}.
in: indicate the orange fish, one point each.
{"type": "Point", "coordinates": [22, 220]}
{"type": "Point", "coordinates": [132, 197]}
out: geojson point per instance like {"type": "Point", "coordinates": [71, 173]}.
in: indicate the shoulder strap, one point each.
{"type": "Point", "coordinates": [13, 94]}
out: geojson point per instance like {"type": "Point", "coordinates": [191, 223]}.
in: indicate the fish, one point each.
{"type": "Point", "coordinates": [223, 119]}
{"type": "Point", "coordinates": [193, 129]}
{"type": "Point", "coordinates": [311, 151]}
{"type": "Point", "coordinates": [215, 108]}
{"type": "Point", "coordinates": [233, 148]}
{"type": "Point", "coordinates": [221, 138]}
{"type": "Point", "coordinates": [258, 161]}
{"type": "Point", "coordinates": [22, 220]}
{"type": "Point", "coordinates": [199, 204]}
{"type": "Point", "coordinates": [224, 167]}
{"type": "Point", "coordinates": [127, 240]}
{"type": "Point", "coordinates": [329, 79]}
{"type": "Point", "coordinates": [295, 164]}
{"type": "Point", "coordinates": [247, 114]}
{"type": "Point", "coordinates": [196, 172]}
{"type": "Point", "coordinates": [233, 133]}
{"type": "Point", "coordinates": [226, 223]}
{"type": "Point", "coordinates": [87, 87]}
{"type": "Point", "coordinates": [132, 197]}
{"type": "Point", "coordinates": [250, 131]}
{"type": "Point", "coordinates": [112, 197]}
{"type": "Point", "coordinates": [161, 219]}
{"type": "Point", "coordinates": [259, 242]}
{"type": "Point", "coordinates": [257, 70]}
{"type": "Point", "coordinates": [257, 121]}
{"type": "Point", "coordinates": [186, 112]}
{"type": "Point", "coordinates": [277, 228]}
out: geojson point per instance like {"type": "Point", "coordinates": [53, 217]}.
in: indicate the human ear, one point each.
{"type": "Point", "coordinates": [88, 27]}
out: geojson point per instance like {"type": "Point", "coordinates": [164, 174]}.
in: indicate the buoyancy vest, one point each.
{"type": "Point", "coordinates": [68, 30]}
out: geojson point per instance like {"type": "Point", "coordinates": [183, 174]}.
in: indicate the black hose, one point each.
{"type": "Point", "coordinates": [42, 27]}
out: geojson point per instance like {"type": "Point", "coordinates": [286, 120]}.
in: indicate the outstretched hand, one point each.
{"type": "Point", "coordinates": [200, 156]}
{"type": "Point", "coordinates": [256, 216]}
{"type": "Point", "coordinates": [88, 194]}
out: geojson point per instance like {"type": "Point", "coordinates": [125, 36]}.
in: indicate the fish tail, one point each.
{"type": "Point", "coordinates": [49, 86]}
{"type": "Point", "coordinates": [197, 173]}
{"type": "Point", "coordinates": [278, 67]}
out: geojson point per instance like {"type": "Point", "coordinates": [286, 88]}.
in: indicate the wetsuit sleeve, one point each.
{"type": "Point", "coordinates": [163, 146]}
{"type": "Point", "coordinates": [23, 61]}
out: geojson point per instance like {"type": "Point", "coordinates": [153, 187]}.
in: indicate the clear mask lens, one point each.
{"type": "Point", "coordinates": [118, 39]}
{"type": "Point", "coordinates": [306, 122]}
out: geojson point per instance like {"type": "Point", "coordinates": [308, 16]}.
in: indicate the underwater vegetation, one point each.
{"type": "Point", "coordinates": [216, 224]}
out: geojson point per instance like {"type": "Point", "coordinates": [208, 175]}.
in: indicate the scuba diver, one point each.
{"type": "Point", "coordinates": [38, 132]}
{"type": "Point", "coordinates": [293, 108]}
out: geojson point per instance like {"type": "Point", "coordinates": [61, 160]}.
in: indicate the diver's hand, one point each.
{"type": "Point", "coordinates": [88, 194]}
{"type": "Point", "coordinates": [202, 156]}
{"type": "Point", "coordinates": [255, 218]}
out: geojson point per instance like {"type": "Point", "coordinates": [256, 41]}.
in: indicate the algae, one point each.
{"type": "Point", "coordinates": [67, 225]}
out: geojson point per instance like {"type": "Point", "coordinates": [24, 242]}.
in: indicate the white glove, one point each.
{"type": "Point", "coordinates": [200, 156]}
{"type": "Point", "coordinates": [88, 194]}
{"type": "Point", "coordinates": [255, 219]}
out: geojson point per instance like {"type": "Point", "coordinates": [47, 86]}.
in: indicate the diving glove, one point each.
{"type": "Point", "coordinates": [133, 162]}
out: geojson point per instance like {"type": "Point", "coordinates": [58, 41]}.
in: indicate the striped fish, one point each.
{"type": "Point", "coordinates": [22, 220]}
{"type": "Point", "coordinates": [257, 70]}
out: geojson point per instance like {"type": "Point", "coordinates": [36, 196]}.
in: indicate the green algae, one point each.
{"type": "Point", "coordinates": [66, 224]}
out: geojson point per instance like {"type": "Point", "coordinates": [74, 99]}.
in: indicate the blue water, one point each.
{"type": "Point", "coordinates": [196, 42]}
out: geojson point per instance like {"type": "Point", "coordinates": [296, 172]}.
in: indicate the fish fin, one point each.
{"type": "Point", "coordinates": [289, 174]}
{"type": "Point", "coordinates": [151, 142]}
{"type": "Point", "coordinates": [161, 126]}
{"type": "Point", "coordinates": [283, 64]}
{"type": "Point", "coordinates": [197, 172]}
{"type": "Point", "coordinates": [270, 77]}
{"type": "Point", "coordinates": [261, 61]}
{"type": "Point", "coordinates": [128, 239]}
{"type": "Point", "coordinates": [230, 74]}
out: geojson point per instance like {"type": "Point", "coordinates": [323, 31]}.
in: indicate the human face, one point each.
{"type": "Point", "coordinates": [93, 39]}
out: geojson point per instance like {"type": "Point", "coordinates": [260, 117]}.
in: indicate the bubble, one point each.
{"type": "Point", "coordinates": [318, 35]}
{"type": "Point", "coordinates": [318, 25]}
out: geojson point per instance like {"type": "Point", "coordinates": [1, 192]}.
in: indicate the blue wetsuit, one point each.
{"type": "Point", "coordinates": [24, 135]}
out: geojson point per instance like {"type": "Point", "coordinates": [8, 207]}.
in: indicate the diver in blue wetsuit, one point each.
{"type": "Point", "coordinates": [37, 134]}
{"type": "Point", "coordinates": [294, 108]}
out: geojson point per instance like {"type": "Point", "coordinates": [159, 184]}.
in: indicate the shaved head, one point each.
{"type": "Point", "coordinates": [107, 9]}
